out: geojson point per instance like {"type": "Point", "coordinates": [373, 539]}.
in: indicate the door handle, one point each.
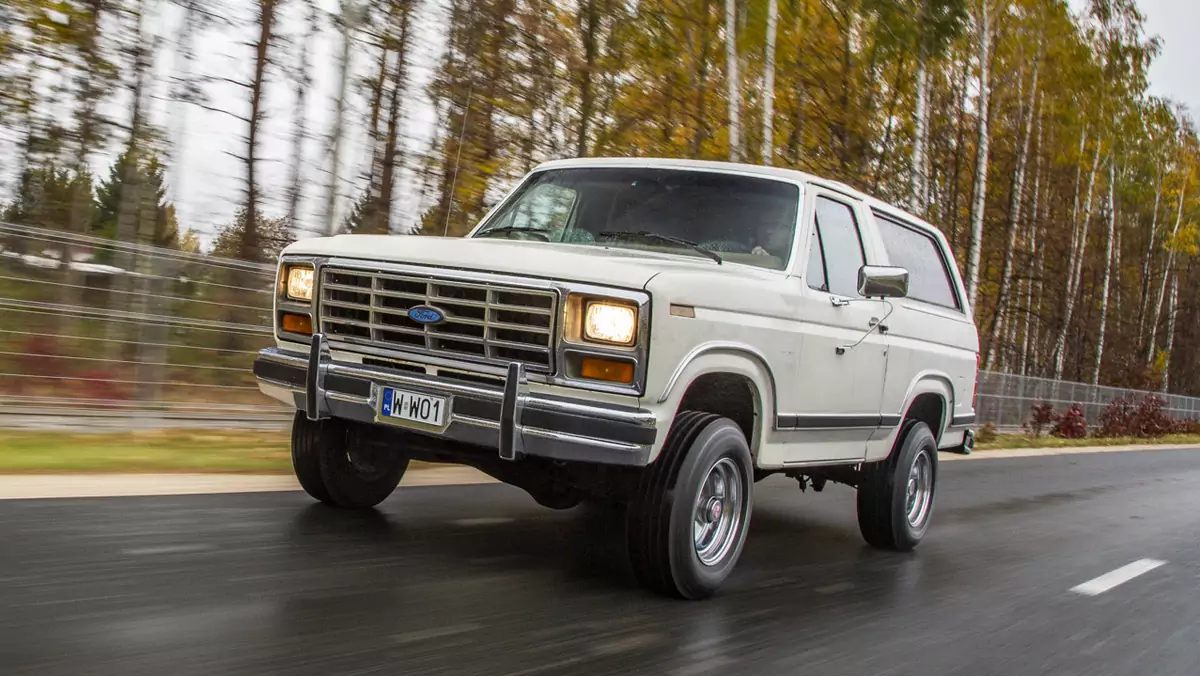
{"type": "Point", "coordinates": [876, 322]}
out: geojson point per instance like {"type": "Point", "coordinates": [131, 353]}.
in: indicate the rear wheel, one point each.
{"type": "Point", "coordinates": [335, 466]}
{"type": "Point", "coordinates": [690, 512]}
{"type": "Point", "coordinates": [895, 495]}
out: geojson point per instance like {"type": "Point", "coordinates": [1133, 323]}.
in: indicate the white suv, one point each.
{"type": "Point", "coordinates": [659, 334]}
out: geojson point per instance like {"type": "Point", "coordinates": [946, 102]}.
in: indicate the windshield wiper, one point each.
{"type": "Point", "coordinates": [654, 236]}
{"type": "Point", "coordinates": [508, 228]}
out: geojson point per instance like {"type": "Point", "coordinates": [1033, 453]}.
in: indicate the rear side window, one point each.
{"type": "Point", "coordinates": [929, 278]}
{"type": "Point", "coordinates": [837, 252]}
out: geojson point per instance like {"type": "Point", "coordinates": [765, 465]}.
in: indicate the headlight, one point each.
{"type": "Point", "coordinates": [610, 323]}
{"type": "Point", "coordinates": [299, 284]}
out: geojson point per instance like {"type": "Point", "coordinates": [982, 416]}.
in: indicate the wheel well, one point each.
{"type": "Point", "coordinates": [725, 394]}
{"type": "Point", "coordinates": [929, 408]}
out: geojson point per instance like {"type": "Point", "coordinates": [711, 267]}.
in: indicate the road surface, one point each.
{"type": "Point", "coordinates": [1016, 577]}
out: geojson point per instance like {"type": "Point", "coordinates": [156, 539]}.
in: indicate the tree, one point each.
{"type": "Point", "coordinates": [274, 234]}
{"type": "Point", "coordinates": [733, 82]}
{"type": "Point", "coordinates": [303, 80]}
{"type": "Point", "coordinates": [979, 196]}
{"type": "Point", "coordinates": [768, 87]}
{"type": "Point", "coordinates": [347, 24]}
{"type": "Point", "coordinates": [250, 249]}
{"type": "Point", "coordinates": [475, 87]}
{"type": "Point", "coordinates": [45, 196]}
{"type": "Point", "coordinates": [110, 195]}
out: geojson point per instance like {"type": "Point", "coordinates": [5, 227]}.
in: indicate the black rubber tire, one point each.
{"type": "Point", "coordinates": [658, 519]}
{"type": "Point", "coordinates": [882, 517]}
{"type": "Point", "coordinates": [321, 459]}
{"type": "Point", "coordinates": [306, 460]}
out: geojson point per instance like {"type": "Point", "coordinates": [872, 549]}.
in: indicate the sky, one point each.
{"type": "Point", "coordinates": [207, 182]}
{"type": "Point", "coordinates": [1173, 74]}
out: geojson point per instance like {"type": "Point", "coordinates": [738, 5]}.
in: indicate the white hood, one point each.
{"type": "Point", "coordinates": [626, 268]}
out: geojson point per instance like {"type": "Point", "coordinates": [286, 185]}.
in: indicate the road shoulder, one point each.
{"type": "Point", "coordinates": [44, 486]}
{"type": "Point", "coordinates": [38, 486]}
{"type": "Point", "coordinates": [1065, 450]}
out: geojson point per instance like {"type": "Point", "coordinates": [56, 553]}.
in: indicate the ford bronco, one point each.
{"type": "Point", "coordinates": [654, 334]}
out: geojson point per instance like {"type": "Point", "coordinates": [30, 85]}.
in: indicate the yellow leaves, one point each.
{"type": "Point", "coordinates": [1186, 241]}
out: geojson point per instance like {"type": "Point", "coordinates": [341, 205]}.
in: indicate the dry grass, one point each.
{"type": "Point", "coordinates": [147, 451]}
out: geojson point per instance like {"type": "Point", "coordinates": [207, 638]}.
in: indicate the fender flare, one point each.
{"type": "Point", "coordinates": [747, 361]}
{"type": "Point", "coordinates": [932, 382]}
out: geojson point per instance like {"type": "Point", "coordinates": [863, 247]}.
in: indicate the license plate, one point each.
{"type": "Point", "coordinates": [413, 406]}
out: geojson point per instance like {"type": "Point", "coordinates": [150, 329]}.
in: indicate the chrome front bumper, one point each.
{"type": "Point", "coordinates": [511, 420]}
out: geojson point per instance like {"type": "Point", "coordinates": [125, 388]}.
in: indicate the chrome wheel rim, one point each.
{"type": "Point", "coordinates": [717, 516]}
{"type": "Point", "coordinates": [918, 495]}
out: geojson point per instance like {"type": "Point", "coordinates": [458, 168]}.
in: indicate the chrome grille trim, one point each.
{"type": "Point", "coordinates": [485, 321]}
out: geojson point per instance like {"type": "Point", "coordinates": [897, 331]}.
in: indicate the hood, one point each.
{"type": "Point", "coordinates": [611, 266]}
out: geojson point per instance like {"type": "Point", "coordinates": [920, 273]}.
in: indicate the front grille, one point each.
{"type": "Point", "coordinates": [487, 322]}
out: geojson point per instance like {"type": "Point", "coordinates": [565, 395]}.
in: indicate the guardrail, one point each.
{"type": "Point", "coordinates": [96, 333]}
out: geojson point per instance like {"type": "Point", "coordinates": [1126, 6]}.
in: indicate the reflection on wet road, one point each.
{"type": "Point", "coordinates": [480, 580]}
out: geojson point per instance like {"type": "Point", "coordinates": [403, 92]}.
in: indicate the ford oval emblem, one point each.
{"type": "Point", "coordinates": [426, 314]}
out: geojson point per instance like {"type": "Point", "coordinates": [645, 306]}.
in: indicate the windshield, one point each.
{"type": "Point", "coordinates": [741, 219]}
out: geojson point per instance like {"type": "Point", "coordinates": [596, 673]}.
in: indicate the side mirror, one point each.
{"type": "Point", "coordinates": [878, 281]}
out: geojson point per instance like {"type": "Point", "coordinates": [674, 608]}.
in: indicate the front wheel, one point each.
{"type": "Point", "coordinates": [895, 495]}
{"type": "Point", "coordinates": [335, 465]}
{"type": "Point", "coordinates": [688, 519]}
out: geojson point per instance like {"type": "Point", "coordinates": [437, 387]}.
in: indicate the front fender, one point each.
{"type": "Point", "coordinates": [719, 357]}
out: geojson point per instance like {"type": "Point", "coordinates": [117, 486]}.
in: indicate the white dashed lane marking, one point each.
{"type": "Point", "coordinates": [1119, 576]}
{"type": "Point", "coordinates": [168, 549]}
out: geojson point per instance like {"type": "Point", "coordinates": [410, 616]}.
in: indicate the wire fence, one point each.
{"type": "Point", "coordinates": [100, 333]}
{"type": "Point", "coordinates": [1005, 399]}
{"type": "Point", "coordinates": [95, 329]}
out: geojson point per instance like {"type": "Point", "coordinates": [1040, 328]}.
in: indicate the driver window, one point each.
{"type": "Point", "coordinates": [547, 208]}
{"type": "Point", "coordinates": [837, 251]}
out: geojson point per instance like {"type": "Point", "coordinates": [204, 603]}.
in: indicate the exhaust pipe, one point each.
{"type": "Point", "coordinates": [968, 444]}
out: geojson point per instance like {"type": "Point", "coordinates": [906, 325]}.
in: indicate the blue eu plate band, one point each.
{"type": "Point", "coordinates": [316, 407]}
{"type": "Point", "coordinates": [512, 447]}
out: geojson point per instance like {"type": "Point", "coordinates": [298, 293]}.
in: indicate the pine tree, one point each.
{"type": "Point", "coordinates": [151, 177]}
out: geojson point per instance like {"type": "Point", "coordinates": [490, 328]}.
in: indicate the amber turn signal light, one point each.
{"type": "Point", "coordinates": [296, 323]}
{"type": "Point", "coordinates": [606, 369]}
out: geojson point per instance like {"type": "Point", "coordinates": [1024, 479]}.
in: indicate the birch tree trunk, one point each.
{"type": "Point", "coordinates": [1167, 272]}
{"type": "Point", "coordinates": [1039, 299]}
{"type": "Point", "coordinates": [731, 76]}
{"type": "Point", "coordinates": [1076, 272]}
{"type": "Point", "coordinates": [918, 175]}
{"type": "Point", "coordinates": [1073, 252]}
{"type": "Point", "coordinates": [1108, 259]}
{"type": "Point", "coordinates": [768, 94]}
{"type": "Point", "coordinates": [1014, 220]}
{"type": "Point", "coordinates": [1023, 364]}
{"type": "Point", "coordinates": [1166, 382]}
{"type": "Point", "coordinates": [960, 101]}
{"type": "Point", "coordinates": [300, 117]}
{"type": "Point", "coordinates": [1148, 261]}
{"type": "Point", "coordinates": [979, 198]}
{"type": "Point", "coordinates": [346, 25]}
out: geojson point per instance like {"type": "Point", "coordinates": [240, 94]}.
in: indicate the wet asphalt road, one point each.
{"type": "Point", "coordinates": [480, 580]}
